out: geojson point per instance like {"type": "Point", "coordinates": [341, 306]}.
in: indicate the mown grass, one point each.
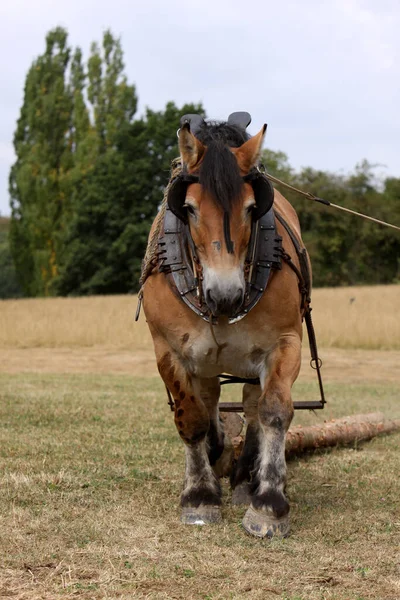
{"type": "Point", "coordinates": [91, 471]}
{"type": "Point", "coordinates": [359, 317]}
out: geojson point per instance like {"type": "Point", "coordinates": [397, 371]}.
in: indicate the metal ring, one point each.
{"type": "Point", "coordinates": [317, 365]}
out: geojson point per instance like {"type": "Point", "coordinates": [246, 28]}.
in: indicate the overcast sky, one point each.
{"type": "Point", "coordinates": [324, 75]}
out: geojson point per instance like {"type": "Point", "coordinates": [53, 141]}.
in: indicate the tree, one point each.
{"type": "Point", "coordinates": [108, 235]}
{"type": "Point", "coordinates": [41, 147]}
{"type": "Point", "coordinates": [9, 287]}
{"type": "Point", "coordinates": [58, 147]}
{"type": "Point", "coordinates": [114, 102]}
{"type": "Point", "coordinates": [88, 180]}
{"type": "Point", "coordinates": [277, 164]}
{"type": "Point", "coordinates": [344, 249]}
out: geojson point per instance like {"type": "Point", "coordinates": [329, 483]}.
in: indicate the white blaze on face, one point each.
{"type": "Point", "coordinates": [223, 271]}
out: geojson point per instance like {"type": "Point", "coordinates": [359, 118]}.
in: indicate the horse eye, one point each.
{"type": "Point", "coordinates": [250, 208]}
{"type": "Point", "coordinates": [189, 208]}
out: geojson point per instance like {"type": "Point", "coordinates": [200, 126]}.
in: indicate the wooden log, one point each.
{"type": "Point", "coordinates": [233, 424]}
{"type": "Point", "coordinates": [337, 432]}
{"type": "Point", "coordinates": [346, 430]}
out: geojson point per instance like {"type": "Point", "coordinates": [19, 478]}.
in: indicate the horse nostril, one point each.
{"type": "Point", "coordinates": [238, 299]}
{"type": "Point", "coordinates": [239, 295]}
{"type": "Point", "coordinates": [210, 300]}
{"type": "Point", "coordinates": [226, 303]}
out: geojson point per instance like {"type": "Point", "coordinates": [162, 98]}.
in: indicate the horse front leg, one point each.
{"type": "Point", "coordinates": [242, 473]}
{"type": "Point", "coordinates": [201, 496]}
{"type": "Point", "coordinates": [268, 513]}
{"type": "Point", "coordinates": [219, 445]}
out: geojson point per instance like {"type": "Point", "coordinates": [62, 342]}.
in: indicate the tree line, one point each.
{"type": "Point", "coordinates": [89, 176]}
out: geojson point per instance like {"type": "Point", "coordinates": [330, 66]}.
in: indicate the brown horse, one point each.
{"type": "Point", "coordinates": [218, 199]}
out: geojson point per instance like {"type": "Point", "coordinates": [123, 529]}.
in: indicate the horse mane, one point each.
{"type": "Point", "coordinates": [219, 173]}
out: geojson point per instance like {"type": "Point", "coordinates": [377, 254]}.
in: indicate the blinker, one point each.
{"type": "Point", "coordinates": [177, 198]}
{"type": "Point", "coordinates": [263, 193]}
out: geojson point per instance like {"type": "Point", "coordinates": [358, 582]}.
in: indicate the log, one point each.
{"type": "Point", "coordinates": [347, 430]}
{"type": "Point", "coordinates": [233, 424]}
{"type": "Point", "coordinates": [337, 432]}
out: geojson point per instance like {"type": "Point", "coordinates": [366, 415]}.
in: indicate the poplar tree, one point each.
{"type": "Point", "coordinates": [80, 142]}
{"type": "Point", "coordinates": [99, 174]}
{"type": "Point", "coordinates": [43, 156]}
{"type": "Point", "coordinates": [113, 101]}
{"type": "Point", "coordinates": [9, 287]}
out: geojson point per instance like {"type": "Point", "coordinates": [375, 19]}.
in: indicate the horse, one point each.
{"type": "Point", "coordinates": [214, 204]}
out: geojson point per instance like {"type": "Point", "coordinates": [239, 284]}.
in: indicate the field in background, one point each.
{"type": "Point", "coordinates": [358, 317]}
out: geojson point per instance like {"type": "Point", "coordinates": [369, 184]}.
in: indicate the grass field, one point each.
{"type": "Point", "coordinates": [91, 466]}
{"type": "Point", "coordinates": [91, 474]}
{"type": "Point", "coordinates": [360, 317]}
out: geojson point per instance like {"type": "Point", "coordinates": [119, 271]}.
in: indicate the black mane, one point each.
{"type": "Point", "coordinates": [219, 172]}
{"type": "Point", "coordinates": [213, 131]}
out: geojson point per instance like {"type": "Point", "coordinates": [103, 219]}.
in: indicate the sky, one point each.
{"type": "Point", "coordinates": [324, 75]}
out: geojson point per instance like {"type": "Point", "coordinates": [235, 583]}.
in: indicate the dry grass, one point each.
{"type": "Point", "coordinates": [371, 320]}
{"type": "Point", "coordinates": [358, 317]}
{"type": "Point", "coordinates": [73, 322]}
{"type": "Point", "coordinates": [91, 470]}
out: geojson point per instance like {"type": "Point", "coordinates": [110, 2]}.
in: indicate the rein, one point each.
{"type": "Point", "coordinates": [311, 196]}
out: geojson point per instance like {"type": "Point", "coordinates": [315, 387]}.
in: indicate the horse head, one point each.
{"type": "Point", "coordinates": [220, 194]}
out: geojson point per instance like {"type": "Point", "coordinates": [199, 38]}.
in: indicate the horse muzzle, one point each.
{"type": "Point", "coordinates": [225, 302]}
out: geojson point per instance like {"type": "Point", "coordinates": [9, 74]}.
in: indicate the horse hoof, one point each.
{"type": "Point", "coordinates": [202, 515]}
{"type": "Point", "coordinates": [263, 525]}
{"type": "Point", "coordinates": [241, 494]}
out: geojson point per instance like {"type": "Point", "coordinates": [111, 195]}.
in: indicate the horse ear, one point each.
{"type": "Point", "coordinates": [190, 147]}
{"type": "Point", "coordinates": [248, 153]}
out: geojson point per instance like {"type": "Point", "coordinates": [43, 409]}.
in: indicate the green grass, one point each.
{"type": "Point", "coordinates": [91, 471]}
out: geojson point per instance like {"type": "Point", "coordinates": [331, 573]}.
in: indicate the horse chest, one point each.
{"type": "Point", "coordinates": [237, 352]}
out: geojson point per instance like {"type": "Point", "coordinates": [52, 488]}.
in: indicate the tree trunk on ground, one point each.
{"type": "Point", "coordinates": [346, 430]}
{"type": "Point", "coordinates": [337, 432]}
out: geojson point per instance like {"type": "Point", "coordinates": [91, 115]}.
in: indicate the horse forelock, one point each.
{"type": "Point", "coordinates": [219, 173]}
{"type": "Point", "coordinates": [220, 176]}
